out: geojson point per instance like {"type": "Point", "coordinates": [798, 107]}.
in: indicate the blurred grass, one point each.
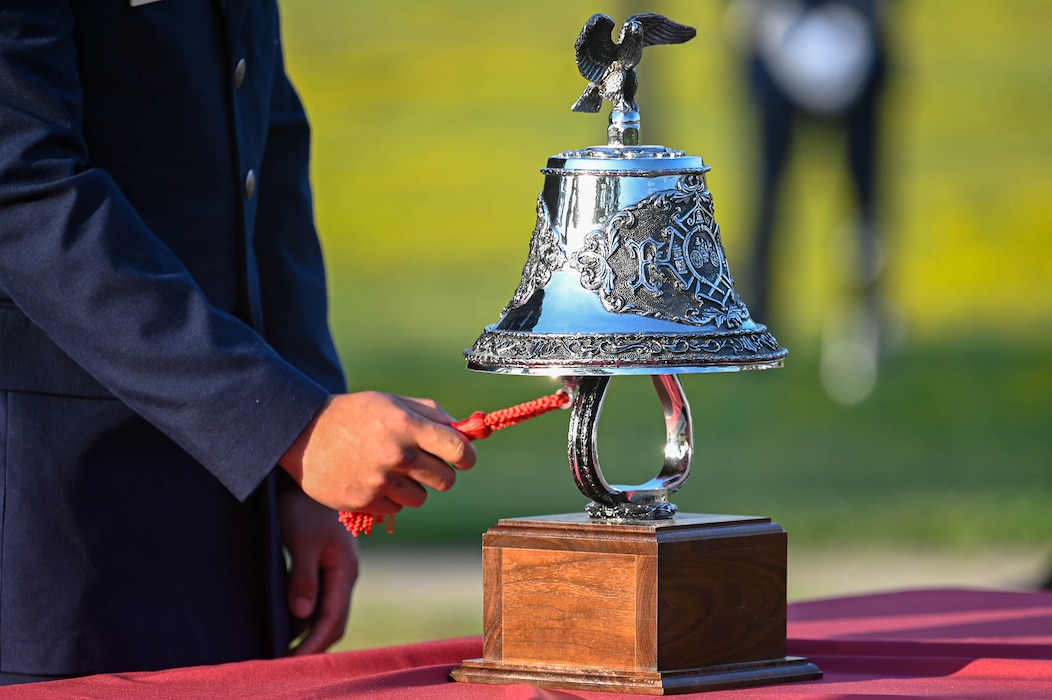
{"type": "Point", "coordinates": [431, 123]}
{"type": "Point", "coordinates": [951, 450]}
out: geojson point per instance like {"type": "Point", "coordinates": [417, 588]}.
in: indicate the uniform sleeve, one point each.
{"type": "Point", "coordinates": [287, 250]}
{"type": "Point", "coordinates": [79, 262]}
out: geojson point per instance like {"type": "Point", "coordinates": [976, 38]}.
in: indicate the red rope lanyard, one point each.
{"type": "Point", "coordinates": [478, 426]}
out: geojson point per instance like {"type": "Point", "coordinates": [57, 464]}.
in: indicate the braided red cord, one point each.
{"type": "Point", "coordinates": [478, 426]}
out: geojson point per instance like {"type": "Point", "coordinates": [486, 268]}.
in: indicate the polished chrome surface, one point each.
{"type": "Point", "coordinates": [626, 273]}
{"type": "Point", "coordinates": [646, 501]}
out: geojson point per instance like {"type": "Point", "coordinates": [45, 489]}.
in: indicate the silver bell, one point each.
{"type": "Point", "coordinates": [626, 274]}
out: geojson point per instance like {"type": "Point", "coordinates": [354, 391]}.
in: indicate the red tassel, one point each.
{"type": "Point", "coordinates": [362, 523]}
{"type": "Point", "coordinates": [474, 426]}
{"type": "Point", "coordinates": [478, 426]}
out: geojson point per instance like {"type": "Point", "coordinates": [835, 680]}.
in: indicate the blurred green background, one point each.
{"type": "Point", "coordinates": [431, 123]}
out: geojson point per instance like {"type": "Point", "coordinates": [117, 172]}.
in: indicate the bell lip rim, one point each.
{"type": "Point", "coordinates": [683, 331]}
{"type": "Point", "coordinates": [480, 359]}
{"type": "Point", "coordinates": [563, 369]}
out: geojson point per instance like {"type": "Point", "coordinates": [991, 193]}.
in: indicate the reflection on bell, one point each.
{"type": "Point", "coordinates": [626, 274]}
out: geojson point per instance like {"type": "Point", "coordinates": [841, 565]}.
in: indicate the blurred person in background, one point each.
{"type": "Point", "coordinates": [164, 346]}
{"type": "Point", "coordinates": [824, 61]}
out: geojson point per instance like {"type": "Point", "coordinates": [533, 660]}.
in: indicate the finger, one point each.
{"type": "Point", "coordinates": [437, 436]}
{"type": "Point", "coordinates": [430, 471]}
{"type": "Point", "coordinates": [333, 611]}
{"type": "Point", "coordinates": [405, 491]}
{"type": "Point", "coordinates": [447, 444]}
{"type": "Point", "coordinates": [303, 580]}
{"type": "Point", "coordinates": [428, 408]}
{"type": "Point", "coordinates": [381, 505]}
{"type": "Point", "coordinates": [323, 634]}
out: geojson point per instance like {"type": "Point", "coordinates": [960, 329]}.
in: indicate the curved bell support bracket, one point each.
{"type": "Point", "coordinates": [647, 501]}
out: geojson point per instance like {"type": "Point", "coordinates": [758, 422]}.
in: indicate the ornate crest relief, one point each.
{"type": "Point", "coordinates": [663, 258]}
{"type": "Point", "coordinates": [545, 257]}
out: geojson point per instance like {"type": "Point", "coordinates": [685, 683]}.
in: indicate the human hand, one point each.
{"type": "Point", "coordinates": [372, 452]}
{"type": "Point", "coordinates": [324, 567]}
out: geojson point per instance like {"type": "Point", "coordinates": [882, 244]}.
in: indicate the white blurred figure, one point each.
{"type": "Point", "coordinates": [823, 60]}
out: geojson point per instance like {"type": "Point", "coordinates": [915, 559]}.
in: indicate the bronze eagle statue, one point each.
{"type": "Point", "coordinates": [610, 67]}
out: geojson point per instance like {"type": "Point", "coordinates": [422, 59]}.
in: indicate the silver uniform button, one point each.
{"type": "Point", "coordinates": [239, 73]}
{"type": "Point", "coordinates": [250, 184]}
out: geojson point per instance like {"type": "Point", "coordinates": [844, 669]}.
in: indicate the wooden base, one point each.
{"type": "Point", "coordinates": [639, 682]}
{"type": "Point", "coordinates": [693, 603]}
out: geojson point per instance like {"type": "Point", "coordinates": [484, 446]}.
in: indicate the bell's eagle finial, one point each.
{"type": "Point", "coordinates": [610, 67]}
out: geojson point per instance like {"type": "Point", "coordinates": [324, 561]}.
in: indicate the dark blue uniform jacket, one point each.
{"type": "Point", "coordinates": [163, 332]}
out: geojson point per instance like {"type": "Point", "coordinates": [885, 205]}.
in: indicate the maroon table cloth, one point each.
{"type": "Point", "coordinates": [926, 643]}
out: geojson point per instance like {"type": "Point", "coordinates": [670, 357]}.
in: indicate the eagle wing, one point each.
{"type": "Point", "coordinates": [595, 49]}
{"type": "Point", "coordinates": [658, 29]}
